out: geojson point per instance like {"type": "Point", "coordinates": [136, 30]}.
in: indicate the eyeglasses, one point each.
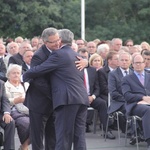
{"type": "Point", "coordinates": [52, 42]}
{"type": "Point", "coordinates": [129, 45]}
{"type": "Point", "coordinates": [138, 63]}
{"type": "Point", "coordinates": [147, 58]}
{"type": "Point", "coordinates": [91, 47]}
{"type": "Point", "coordinates": [80, 43]}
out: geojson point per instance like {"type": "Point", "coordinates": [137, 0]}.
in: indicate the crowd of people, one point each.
{"type": "Point", "coordinates": [48, 83]}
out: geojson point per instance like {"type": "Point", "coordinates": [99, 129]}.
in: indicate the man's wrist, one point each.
{"type": "Point", "coordinates": [94, 97]}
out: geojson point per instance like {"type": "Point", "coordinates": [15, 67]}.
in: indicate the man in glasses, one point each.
{"type": "Point", "coordinates": [69, 96]}
{"type": "Point", "coordinates": [136, 90]}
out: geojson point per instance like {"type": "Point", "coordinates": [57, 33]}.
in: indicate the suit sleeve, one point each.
{"type": "Point", "coordinates": [2, 70]}
{"type": "Point", "coordinates": [103, 84]}
{"type": "Point", "coordinates": [49, 65]}
{"type": "Point", "coordinates": [5, 105]}
{"type": "Point", "coordinates": [96, 86]}
{"type": "Point", "coordinates": [11, 61]}
{"type": "Point", "coordinates": [130, 96]}
{"type": "Point", "coordinates": [40, 83]}
{"type": "Point", "coordinates": [113, 90]}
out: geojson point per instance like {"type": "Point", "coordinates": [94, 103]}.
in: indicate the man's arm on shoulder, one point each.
{"type": "Point", "coordinates": [47, 66]}
{"type": "Point", "coordinates": [81, 63]}
{"type": "Point", "coordinates": [41, 83]}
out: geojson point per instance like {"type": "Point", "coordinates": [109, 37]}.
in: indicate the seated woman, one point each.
{"type": "Point", "coordinates": [96, 61]}
{"type": "Point", "coordinates": [15, 91]}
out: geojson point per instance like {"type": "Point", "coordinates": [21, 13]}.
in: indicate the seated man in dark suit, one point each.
{"type": "Point", "coordinates": [112, 60]}
{"type": "Point", "coordinates": [18, 58]}
{"type": "Point", "coordinates": [117, 101]}
{"type": "Point", "coordinates": [27, 56]}
{"type": "Point", "coordinates": [146, 56]}
{"type": "Point", "coordinates": [136, 90]}
{"type": "Point", "coordinates": [92, 87]}
{"type": "Point", "coordinates": [6, 121]}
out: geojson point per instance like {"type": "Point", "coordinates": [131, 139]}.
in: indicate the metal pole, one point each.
{"type": "Point", "coordinates": [83, 19]}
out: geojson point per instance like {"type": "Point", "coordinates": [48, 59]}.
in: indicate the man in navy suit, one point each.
{"type": "Point", "coordinates": [136, 90]}
{"type": "Point", "coordinates": [69, 96]}
{"type": "Point", "coordinates": [93, 90]}
{"type": "Point", "coordinates": [112, 63]}
{"type": "Point", "coordinates": [117, 100]}
{"type": "Point", "coordinates": [38, 97]}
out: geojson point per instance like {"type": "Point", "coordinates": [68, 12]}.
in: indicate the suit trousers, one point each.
{"type": "Point", "coordinates": [143, 111]}
{"type": "Point", "coordinates": [9, 133]}
{"type": "Point", "coordinates": [42, 125]}
{"type": "Point", "coordinates": [101, 105]}
{"type": "Point", "coordinates": [70, 127]}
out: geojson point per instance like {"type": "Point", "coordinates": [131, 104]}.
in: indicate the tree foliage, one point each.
{"type": "Point", "coordinates": [115, 18]}
{"type": "Point", "coordinates": [28, 17]}
{"type": "Point", "coordinates": [105, 19]}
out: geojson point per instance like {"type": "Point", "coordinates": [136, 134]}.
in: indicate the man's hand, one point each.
{"type": "Point", "coordinates": [81, 63]}
{"type": "Point", "coordinates": [142, 102]}
{"type": "Point", "coordinates": [7, 118]}
{"type": "Point", "coordinates": [146, 99]}
{"type": "Point", "coordinates": [90, 99]}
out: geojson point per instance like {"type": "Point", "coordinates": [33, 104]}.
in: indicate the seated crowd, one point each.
{"type": "Point", "coordinates": [115, 69]}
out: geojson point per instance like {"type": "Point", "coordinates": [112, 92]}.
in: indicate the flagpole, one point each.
{"type": "Point", "coordinates": [83, 19]}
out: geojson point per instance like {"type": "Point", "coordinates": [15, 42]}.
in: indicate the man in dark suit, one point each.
{"type": "Point", "coordinates": [69, 95]}
{"type": "Point", "coordinates": [27, 56]}
{"type": "Point", "coordinates": [18, 58]}
{"type": "Point", "coordinates": [38, 97]}
{"type": "Point", "coordinates": [6, 121]}
{"type": "Point", "coordinates": [92, 87]}
{"type": "Point", "coordinates": [117, 100]}
{"type": "Point", "coordinates": [136, 90]}
{"type": "Point", "coordinates": [112, 60]}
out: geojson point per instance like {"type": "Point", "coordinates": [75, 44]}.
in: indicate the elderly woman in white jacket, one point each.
{"type": "Point", "coordinates": [15, 91]}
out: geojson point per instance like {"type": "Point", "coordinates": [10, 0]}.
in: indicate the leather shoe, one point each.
{"type": "Point", "coordinates": [133, 140]}
{"type": "Point", "coordinates": [88, 130]}
{"type": "Point", "coordinates": [109, 135]}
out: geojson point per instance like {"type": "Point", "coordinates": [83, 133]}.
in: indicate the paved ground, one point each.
{"type": "Point", "coordinates": [97, 142]}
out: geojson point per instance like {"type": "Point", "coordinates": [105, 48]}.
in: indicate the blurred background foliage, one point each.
{"type": "Point", "coordinates": [105, 19]}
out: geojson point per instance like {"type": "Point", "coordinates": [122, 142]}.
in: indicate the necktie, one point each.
{"type": "Point", "coordinates": [141, 78]}
{"type": "Point", "coordinates": [126, 72]}
{"type": "Point", "coordinates": [85, 80]}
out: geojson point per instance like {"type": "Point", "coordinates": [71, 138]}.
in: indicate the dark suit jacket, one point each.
{"type": "Point", "coordinates": [38, 96]}
{"type": "Point", "coordinates": [114, 86]}
{"type": "Point", "coordinates": [16, 59]}
{"type": "Point", "coordinates": [103, 82]}
{"type": "Point", "coordinates": [93, 81]}
{"type": "Point", "coordinates": [4, 102]}
{"type": "Point", "coordinates": [2, 70]}
{"type": "Point", "coordinates": [133, 90]}
{"type": "Point", "coordinates": [66, 80]}
{"type": "Point", "coordinates": [24, 67]}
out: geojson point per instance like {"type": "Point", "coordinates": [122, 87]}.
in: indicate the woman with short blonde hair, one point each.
{"type": "Point", "coordinates": [96, 61]}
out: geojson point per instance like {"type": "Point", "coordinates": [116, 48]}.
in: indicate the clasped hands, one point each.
{"type": "Point", "coordinates": [145, 100]}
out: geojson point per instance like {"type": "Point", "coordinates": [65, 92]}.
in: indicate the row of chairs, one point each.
{"type": "Point", "coordinates": [116, 115]}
